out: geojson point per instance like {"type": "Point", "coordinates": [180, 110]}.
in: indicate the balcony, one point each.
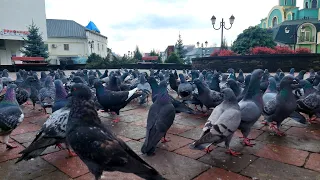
{"type": "Point", "coordinates": [306, 40]}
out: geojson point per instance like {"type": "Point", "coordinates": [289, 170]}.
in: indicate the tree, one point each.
{"type": "Point", "coordinates": [154, 53]}
{"type": "Point", "coordinates": [33, 44]}
{"type": "Point", "coordinates": [252, 37]}
{"type": "Point", "coordinates": [173, 58]}
{"type": "Point", "coordinates": [137, 54]}
{"type": "Point", "coordinates": [180, 48]}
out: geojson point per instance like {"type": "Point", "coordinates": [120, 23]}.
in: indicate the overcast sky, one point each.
{"type": "Point", "coordinates": [155, 24]}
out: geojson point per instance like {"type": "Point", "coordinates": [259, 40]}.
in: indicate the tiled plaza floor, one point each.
{"type": "Point", "coordinates": [295, 156]}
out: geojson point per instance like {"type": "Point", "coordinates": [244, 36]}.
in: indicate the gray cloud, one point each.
{"type": "Point", "coordinates": [154, 21]}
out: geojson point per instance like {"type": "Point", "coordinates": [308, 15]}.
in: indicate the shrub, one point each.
{"type": "Point", "coordinates": [215, 53]}
{"type": "Point", "coordinates": [226, 52]}
{"type": "Point", "coordinates": [303, 51]}
{"type": "Point", "coordinates": [283, 50]}
{"type": "Point", "coordinates": [262, 50]}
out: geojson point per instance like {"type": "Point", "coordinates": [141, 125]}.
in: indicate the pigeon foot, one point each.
{"type": "Point", "coordinates": [71, 153]}
{"type": "Point", "coordinates": [264, 123]}
{"type": "Point", "coordinates": [207, 149]}
{"type": "Point", "coordinates": [164, 140]}
{"type": "Point", "coordinates": [246, 141]}
{"type": "Point", "coordinates": [59, 146]}
{"type": "Point", "coordinates": [276, 130]}
{"type": "Point", "coordinates": [233, 153]}
{"type": "Point", "coordinates": [116, 120]}
{"type": "Point", "coordinates": [10, 146]}
{"type": "Point", "coordinates": [312, 120]}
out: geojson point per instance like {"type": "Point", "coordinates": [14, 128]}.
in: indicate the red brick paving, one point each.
{"type": "Point", "coordinates": [175, 158]}
{"type": "Point", "coordinates": [313, 162]}
{"type": "Point", "coordinates": [283, 154]}
{"type": "Point", "coordinates": [220, 174]}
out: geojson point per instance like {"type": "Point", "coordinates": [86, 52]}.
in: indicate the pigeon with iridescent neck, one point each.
{"type": "Point", "coordinates": [60, 100]}
{"type": "Point", "coordinates": [11, 115]}
{"type": "Point", "coordinates": [47, 94]}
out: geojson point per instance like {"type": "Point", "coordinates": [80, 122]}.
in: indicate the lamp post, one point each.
{"type": "Point", "coordinates": [202, 48]}
{"type": "Point", "coordinates": [91, 45]}
{"type": "Point", "coordinates": [222, 26]}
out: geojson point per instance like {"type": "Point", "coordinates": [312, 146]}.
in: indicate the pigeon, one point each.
{"type": "Point", "coordinates": [96, 145]}
{"type": "Point", "coordinates": [245, 89]}
{"type": "Point", "coordinates": [113, 83]}
{"type": "Point", "coordinates": [145, 87]}
{"type": "Point", "coordinates": [251, 106]}
{"type": "Point", "coordinates": [291, 72]}
{"type": "Point", "coordinates": [240, 77]}
{"type": "Point", "coordinates": [160, 118]}
{"type": "Point", "coordinates": [47, 94]}
{"type": "Point", "coordinates": [173, 83]}
{"type": "Point", "coordinates": [11, 115]}
{"type": "Point", "coordinates": [215, 82]}
{"type": "Point", "coordinates": [60, 100]}
{"type": "Point", "coordinates": [185, 88]}
{"type": "Point", "coordinates": [208, 97]}
{"type": "Point", "coordinates": [281, 107]}
{"type": "Point", "coordinates": [232, 84]}
{"type": "Point", "coordinates": [221, 125]}
{"type": "Point", "coordinates": [52, 132]}
{"type": "Point", "coordinates": [114, 100]}
{"type": "Point", "coordinates": [271, 91]}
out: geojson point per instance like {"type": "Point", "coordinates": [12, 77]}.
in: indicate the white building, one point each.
{"type": "Point", "coordinates": [68, 40]}
{"type": "Point", "coordinates": [15, 17]}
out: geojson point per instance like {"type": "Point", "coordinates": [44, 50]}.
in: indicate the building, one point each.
{"type": "Point", "coordinates": [169, 50]}
{"type": "Point", "coordinates": [295, 27]}
{"type": "Point", "coordinates": [200, 52]}
{"type": "Point", "coordinates": [15, 17]}
{"type": "Point", "coordinates": [70, 41]}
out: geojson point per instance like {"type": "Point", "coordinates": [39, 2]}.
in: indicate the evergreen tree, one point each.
{"type": "Point", "coordinates": [137, 54]}
{"type": "Point", "coordinates": [180, 48]}
{"type": "Point", "coordinates": [154, 53]}
{"type": "Point", "coordinates": [34, 45]}
{"type": "Point", "coordinates": [173, 58]}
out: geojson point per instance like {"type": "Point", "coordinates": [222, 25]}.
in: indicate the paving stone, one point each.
{"type": "Point", "coordinates": [111, 176]}
{"type": "Point", "coordinates": [305, 133]}
{"type": "Point", "coordinates": [8, 154]}
{"type": "Point", "coordinates": [291, 141]}
{"type": "Point", "coordinates": [132, 118]}
{"type": "Point", "coordinates": [190, 121]}
{"type": "Point", "coordinates": [220, 174]}
{"type": "Point", "coordinates": [129, 130]}
{"type": "Point", "coordinates": [179, 128]}
{"type": "Point", "coordinates": [175, 167]}
{"type": "Point", "coordinates": [26, 137]}
{"type": "Point", "coordinates": [124, 138]}
{"type": "Point", "coordinates": [236, 144]}
{"type": "Point", "coordinates": [40, 120]}
{"type": "Point", "coordinates": [283, 154]}
{"type": "Point", "coordinates": [25, 169]}
{"type": "Point", "coordinates": [73, 166]}
{"type": "Point", "coordinates": [295, 123]}
{"type": "Point", "coordinates": [174, 143]}
{"type": "Point", "coordinates": [24, 128]}
{"type": "Point", "coordinates": [265, 169]}
{"type": "Point", "coordinates": [56, 175]}
{"type": "Point", "coordinates": [191, 153]}
{"type": "Point", "coordinates": [48, 150]}
{"type": "Point", "coordinates": [313, 162]}
{"type": "Point", "coordinates": [142, 123]}
{"type": "Point", "coordinates": [283, 128]}
{"type": "Point", "coordinates": [258, 124]}
{"type": "Point", "coordinates": [218, 157]}
{"type": "Point", "coordinates": [254, 133]}
{"type": "Point", "coordinates": [194, 133]}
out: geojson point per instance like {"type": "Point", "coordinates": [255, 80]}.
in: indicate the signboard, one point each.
{"type": "Point", "coordinates": [11, 32]}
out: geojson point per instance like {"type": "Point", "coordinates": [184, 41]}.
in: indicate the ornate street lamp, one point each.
{"type": "Point", "coordinates": [222, 26]}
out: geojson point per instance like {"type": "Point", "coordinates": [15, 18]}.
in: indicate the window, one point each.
{"type": "Point", "coordinates": [307, 5]}
{"type": "Point", "coordinates": [292, 2]}
{"type": "Point", "coordinates": [285, 2]}
{"type": "Point", "coordinates": [292, 16]}
{"type": "Point", "coordinates": [66, 47]}
{"type": "Point", "coordinates": [274, 21]}
{"type": "Point", "coordinates": [314, 4]}
{"type": "Point", "coordinates": [102, 47]}
{"type": "Point", "coordinates": [98, 47]}
{"type": "Point", "coordinates": [2, 44]}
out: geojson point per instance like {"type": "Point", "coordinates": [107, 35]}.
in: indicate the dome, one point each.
{"type": "Point", "coordinates": [288, 2]}
{"type": "Point", "coordinates": [92, 27]}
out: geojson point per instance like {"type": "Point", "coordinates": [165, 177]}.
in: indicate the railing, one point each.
{"type": "Point", "coordinates": [28, 61]}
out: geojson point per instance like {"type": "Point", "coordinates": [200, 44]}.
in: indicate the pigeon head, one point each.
{"type": "Point", "coordinates": [48, 82]}
{"type": "Point", "coordinates": [272, 84]}
{"type": "Point", "coordinates": [240, 72]}
{"type": "Point", "coordinates": [80, 91]}
{"type": "Point", "coordinates": [43, 75]}
{"type": "Point", "coordinates": [182, 78]}
{"type": "Point", "coordinates": [18, 76]}
{"type": "Point", "coordinates": [247, 79]}
{"type": "Point", "coordinates": [77, 79]}
{"type": "Point", "coordinates": [10, 96]}
{"type": "Point", "coordinates": [305, 84]}
{"type": "Point", "coordinates": [257, 74]}
{"type": "Point", "coordinates": [288, 82]}
{"type": "Point", "coordinates": [60, 90]}
{"type": "Point", "coordinates": [143, 79]}
{"type": "Point", "coordinates": [113, 80]}
{"type": "Point", "coordinates": [224, 77]}
{"type": "Point", "coordinates": [161, 77]}
{"type": "Point", "coordinates": [228, 94]}
{"type": "Point", "coordinates": [232, 83]}
{"type": "Point", "coordinates": [30, 81]}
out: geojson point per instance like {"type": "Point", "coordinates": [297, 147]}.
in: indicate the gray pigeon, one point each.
{"type": "Point", "coordinates": [145, 87]}
{"type": "Point", "coordinates": [281, 107]}
{"type": "Point", "coordinates": [206, 96]}
{"type": "Point", "coordinates": [185, 88]}
{"type": "Point", "coordinates": [47, 94]}
{"type": "Point", "coordinates": [251, 106]}
{"type": "Point", "coordinates": [11, 115]}
{"type": "Point", "coordinates": [160, 118]}
{"type": "Point", "coordinates": [221, 125]}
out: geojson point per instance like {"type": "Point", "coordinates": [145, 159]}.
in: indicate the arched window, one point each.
{"type": "Point", "coordinates": [292, 2]}
{"type": "Point", "coordinates": [307, 5]}
{"type": "Point", "coordinates": [314, 4]}
{"type": "Point", "coordinates": [274, 21]}
{"type": "Point", "coordinates": [285, 2]}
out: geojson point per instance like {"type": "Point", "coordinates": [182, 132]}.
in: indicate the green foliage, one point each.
{"type": "Point", "coordinates": [252, 37]}
{"type": "Point", "coordinates": [180, 48]}
{"type": "Point", "coordinates": [137, 54]}
{"type": "Point", "coordinates": [96, 61]}
{"type": "Point", "coordinates": [154, 53]}
{"type": "Point", "coordinates": [33, 44]}
{"type": "Point", "coordinates": [173, 58]}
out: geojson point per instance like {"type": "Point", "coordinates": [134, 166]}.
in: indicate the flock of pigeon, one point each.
{"type": "Point", "coordinates": [238, 102]}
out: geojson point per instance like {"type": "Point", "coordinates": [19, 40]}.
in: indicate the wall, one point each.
{"type": "Point", "coordinates": [12, 48]}
{"type": "Point", "coordinates": [311, 13]}
{"type": "Point", "coordinates": [19, 14]}
{"type": "Point", "coordinates": [98, 41]}
{"type": "Point", "coordinates": [77, 48]}
{"type": "Point", "coordinates": [249, 63]}
{"type": "Point", "coordinates": [275, 13]}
